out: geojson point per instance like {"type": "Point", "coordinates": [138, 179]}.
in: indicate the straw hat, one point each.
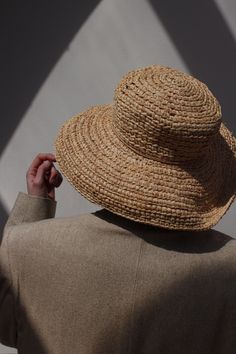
{"type": "Point", "coordinates": [159, 154]}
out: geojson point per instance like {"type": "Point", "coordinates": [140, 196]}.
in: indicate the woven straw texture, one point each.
{"type": "Point", "coordinates": [159, 154]}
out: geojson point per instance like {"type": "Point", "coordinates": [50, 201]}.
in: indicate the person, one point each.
{"type": "Point", "coordinates": [146, 273]}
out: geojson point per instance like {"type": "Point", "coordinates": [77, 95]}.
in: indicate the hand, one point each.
{"type": "Point", "coordinates": [42, 177]}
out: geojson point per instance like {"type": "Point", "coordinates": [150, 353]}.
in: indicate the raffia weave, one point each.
{"type": "Point", "coordinates": [159, 154]}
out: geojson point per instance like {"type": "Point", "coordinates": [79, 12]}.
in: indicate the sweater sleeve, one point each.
{"type": "Point", "coordinates": [8, 333]}
{"type": "Point", "coordinates": [26, 209]}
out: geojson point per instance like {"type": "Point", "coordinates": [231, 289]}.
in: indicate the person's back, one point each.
{"type": "Point", "coordinates": [146, 274]}
{"type": "Point", "coordinates": [99, 283]}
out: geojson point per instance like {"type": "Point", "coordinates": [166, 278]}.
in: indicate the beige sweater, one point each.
{"type": "Point", "coordinates": [101, 284]}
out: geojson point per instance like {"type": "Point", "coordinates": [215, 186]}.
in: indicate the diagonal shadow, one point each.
{"type": "Point", "coordinates": [3, 218]}
{"type": "Point", "coordinates": [33, 36]}
{"type": "Point", "coordinates": [206, 45]}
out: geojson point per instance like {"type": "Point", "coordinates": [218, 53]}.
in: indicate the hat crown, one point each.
{"type": "Point", "coordinates": [164, 114]}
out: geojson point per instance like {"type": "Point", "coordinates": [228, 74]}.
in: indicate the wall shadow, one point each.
{"type": "Point", "coordinates": [3, 219]}
{"type": "Point", "coordinates": [33, 36]}
{"type": "Point", "coordinates": [206, 45]}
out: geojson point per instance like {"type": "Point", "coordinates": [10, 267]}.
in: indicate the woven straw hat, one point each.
{"type": "Point", "coordinates": [159, 154]}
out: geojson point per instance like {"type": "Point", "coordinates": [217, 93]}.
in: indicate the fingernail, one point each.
{"type": "Point", "coordinates": [47, 163]}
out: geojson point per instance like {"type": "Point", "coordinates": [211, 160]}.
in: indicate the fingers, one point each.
{"type": "Point", "coordinates": [42, 177]}
{"type": "Point", "coordinates": [42, 173]}
{"type": "Point", "coordinates": [38, 160]}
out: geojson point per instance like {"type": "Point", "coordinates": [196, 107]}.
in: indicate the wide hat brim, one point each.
{"type": "Point", "coordinates": [192, 196]}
